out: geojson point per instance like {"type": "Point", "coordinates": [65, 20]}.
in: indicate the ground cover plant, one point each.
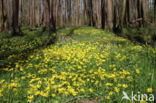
{"type": "Point", "coordinates": [92, 66]}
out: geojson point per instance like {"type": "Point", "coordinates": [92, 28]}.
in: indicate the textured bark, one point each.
{"type": "Point", "coordinates": [60, 14]}
{"type": "Point", "coordinates": [155, 10]}
{"type": "Point", "coordinates": [38, 12]}
{"type": "Point", "coordinates": [20, 12]}
{"type": "Point", "coordinates": [117, 17]}
{"type": "Point", "coordinates": [145, 9]}
{"type": "Point", "coordinates": [103, 13]}
{"type": "Point", "coordinates": [1, 16]}
{"type": "Point", "coordinates": [109, 13]}
{"type": "Point", "coordinates": [15, 19]}
{"type": "Point", "coordinates": [73, 13]}
{"type": "Point", "coordinates": [46, 13]}
{"type": "Point", "coordinates": [69, 10]}
{"type": "Point", "coordinates": [96, 13]}
{"type": "Point", "coordinates": [77, 12]}
{"type": "Point", "coordinates": [32, 13]}
{"type": "Point", "coordinates": [90, 13]}
{"type": "Point", "coordinates": [123, 12]}
{"type": "Point", "coordinates": [52, 25]}
{"type": "Point", "coordinates": [5, 14]}
{"type": "Point", "coordinates": [85, 12]}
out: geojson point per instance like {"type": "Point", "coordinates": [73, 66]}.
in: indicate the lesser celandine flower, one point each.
{"type": "Point", "coordinates": [137, 71]}
{"type": "Point", "coordinates": [149, 90]}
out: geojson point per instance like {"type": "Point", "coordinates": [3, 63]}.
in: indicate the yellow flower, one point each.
{"type": "Point", "coordinates": [125, 85]}
{"type": "Point", "coordinates": [30, 98]}
{"type": "Point", "coordinates": [110, 93]}
{"type": "Point", "coordinates": [137, 71]}
{"type": "Point", "coordinates": [109, 84]}
{"type": "Point", "coordinates": [142, 101]}
{"type": "Point", "coordinates": [107, 97]}
{"type": "Point", "coordinates": [91, 90]}
{"type": "Point", "coordinates": [37, 93]}
{"type": "Point", "coordinates": [149, 90]}
{"type": "Point", "coordinates": [53, 95]}
{"type": "Point", "coordinates": [116, 89]}
{"type": "Point", "coordinates": [82, 90]}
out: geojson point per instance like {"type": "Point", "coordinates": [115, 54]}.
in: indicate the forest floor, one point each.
{"type": "Point", "coordinates": [86, 65]}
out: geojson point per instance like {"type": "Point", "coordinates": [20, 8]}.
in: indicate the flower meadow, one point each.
{"type": "Point", "coordinates": [97, 66]}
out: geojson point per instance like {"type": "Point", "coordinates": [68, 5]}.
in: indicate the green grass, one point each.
{"type": "Point", "coordinates": [96, 66]}
{"type": "Point", "coordinates": [17, 47]}
{"type": "Point", "coordinates": [143, 35]}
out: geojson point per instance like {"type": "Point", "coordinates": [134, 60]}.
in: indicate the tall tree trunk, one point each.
{"type": "Point", "coordinates": [15, 19]}
{"type": "Point", "coordinates": [1, 16]}
{"type": "Point", "coordinates": [145, 9]}
{"type": "Point", "coordinates": [85, 11]}
{"type": "Point", "coordinates": [60, 14]}
{"type": "Point", "coordinates": [46, 13]}
{"type": "Point", "coordinates": [103, 13]}
{"type": "Point", "coordinates": [69, 10]}
{"type": "Point", "coordinates": [90, 13]}
{"type": "Point", "coordinates": [5, 14]}
{"type": "Point", "coordinates": [20, 12]}
{"type": "Point", "coordinates": [116, 20]}
{"type": "Point", "coordinates": [38, 12]}
{"type": "Point", "coordinates": [74, 13]}
{"type": "Point", "coordinates": [155, 10]}
{"type": "Point", "coordinates": [130, 10]}
{"type": "Point", "coordinates": [77, 12]}
{"type": "Point", "coordinates": [96, 13]}
{"type": "Point", "coordinates": [123, 12]}
{"type": "Point", "coordinates": [54, 10]}
{"type": "Point", "coordinates": [32, 12]}
{"type": "Point", "coordinates": [109, 13]}
{"type": "Point", "coordinates": [52, 25]}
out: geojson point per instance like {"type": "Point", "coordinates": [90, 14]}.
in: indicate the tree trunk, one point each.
{"type": "Point", "coordinates": [155, 10]}
{"type": "Point", "coordinates": [38, 12]}
{"type": "Point", "coordinates": [5, 14]}
{"type": "Point", "coordinates": [60, 14]}
{"type": "Point", "coordinates": [73, 13]}
{"type": "Point", "coordinates": [145, 9]}
{"type": "Point", "coordinates": [90, 13]}
{"type": "Point", "coordinates": [96, 13]}
{"type": "Point", "coordinates": [77, 12]}
{"type": "Point", "coordinates": [20, 12]}
{"type": "Point", "coordinates": [15, 19]}
{"type": "Point", "coordinates": [109, 14]}
{"type": "Point", "coordinates": [123, 12]}
{"type": "Point", "coordinates": [1, 16]}
{"type": "Point", "coordinates": [52, 25]}
{"type": "Point", "coordinates": [103, 13]}
{"type": "Point", "coordinates": [32, 13]}
{"type": "Point", "coordinates": [46, 13]}
{"type": "Point", "coordinates": [69, 10]}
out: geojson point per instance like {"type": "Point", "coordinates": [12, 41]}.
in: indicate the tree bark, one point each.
{"type": "Point", "coordinates": [96, 13]}
{"type": "Point", "coordinates": [123, 12]}
{"type": "Point", "coordinates": [15, 19]}
{"type": "Point", "coordinates": [46, 13]}
{"type": "Point", "coordinates": [5, 14]}
{"type": "Point", "coordinates": [77, 12]}
{"type": "Point", "coordinates": [52, 25]}
{"type": "Point", "coordinates": [109, 14]}
{"type": "Point", "coordinates": [1, 16]}
{"type": "Point", "coordinates": [103, 13]}
{"type": "Point", "coordinates": [145, 9]}
{"type": "Point", "coordinates": [155, 10]}
{"type": "Point", "coordinates": [20, 12]}
{"type": "Point", "coordinates": [32, 13]}
{"type": "Point", "coordinates": [90, 13]}
{"type": "Point", "coordinates": [60, 14]}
